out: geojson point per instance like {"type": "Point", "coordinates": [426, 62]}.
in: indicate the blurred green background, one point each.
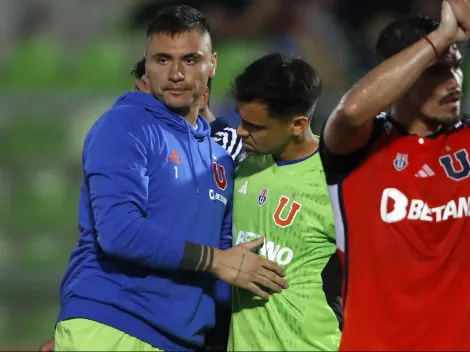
{"type": "Point", "coordinates": [65, 62]}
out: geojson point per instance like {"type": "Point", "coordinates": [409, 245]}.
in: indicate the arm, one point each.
{"type": "Point", "coordinates": [239, 266]}
{"type": "Point", "coordinates": [115, 168]}
{"type": "Point", "coordinates": [349, 127]}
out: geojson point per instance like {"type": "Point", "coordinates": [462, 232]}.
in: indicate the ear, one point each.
{"type": "Point", "coordinates": [298, 125]}
{"type": "Point", "coordinates": [213, 64]}
{"type": "Point", "coordinates": [205, 99]}
{"type": "Point", "coordinates": [145, 57]}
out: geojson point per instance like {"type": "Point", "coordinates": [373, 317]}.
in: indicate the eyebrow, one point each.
{"type": "Point", "coordinates": [246, 121]}
{"type": "Point", "coordinates": [185, 56]}
{"type": "Point", "coordinates": [250, 123]}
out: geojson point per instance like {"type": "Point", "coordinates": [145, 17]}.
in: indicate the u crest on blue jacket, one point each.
{"type": "Point", "coordinates": [151, 181]}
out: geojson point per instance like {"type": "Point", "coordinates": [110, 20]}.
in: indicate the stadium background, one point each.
{"type": "Point", "coordinates": [63, 62]}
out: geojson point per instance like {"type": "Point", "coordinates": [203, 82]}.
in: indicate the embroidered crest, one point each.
{"type": "Point", "coordinates": [262, 196]}
{"type": "Point", "coordinates": [401, 161]}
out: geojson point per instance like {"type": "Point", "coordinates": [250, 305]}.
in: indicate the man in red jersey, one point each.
{"type": "Point", "coordinates": [400, 190]}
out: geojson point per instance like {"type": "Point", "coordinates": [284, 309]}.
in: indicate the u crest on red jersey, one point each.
{"type": "Point", "coordinates": [462, 171]}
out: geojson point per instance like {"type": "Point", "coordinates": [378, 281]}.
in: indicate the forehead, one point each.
{"type": "Point", "coordinates": [180, 43]}
{"type": "Point", "coordinates": [253, 112]}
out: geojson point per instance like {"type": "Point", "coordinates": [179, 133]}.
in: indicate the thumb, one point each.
{"type": "Point", "coordinates": [254, 244]}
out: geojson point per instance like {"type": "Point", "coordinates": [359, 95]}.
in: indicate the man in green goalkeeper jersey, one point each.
{"type": "Point", "coordinates": [281, 194]}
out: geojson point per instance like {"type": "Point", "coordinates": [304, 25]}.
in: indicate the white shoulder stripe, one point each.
{"type": "Point", "coordinates": [229, 140]}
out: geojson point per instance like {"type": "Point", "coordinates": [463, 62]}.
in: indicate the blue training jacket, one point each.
{"type": "Point", "coordinates": [151, 181]}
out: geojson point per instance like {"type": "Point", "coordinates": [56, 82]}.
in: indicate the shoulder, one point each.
{"type": "Point", "coordinates": [253, 164]}
{"type": "Point", "coordinates": [338, 167]}
{"type": "Point", "coordinates": [226, 136]}
{"type": "Point", "coordinates": [221, 155]}
{"type": "Point", "coordinates": [120, 123]}
{"type": "Point", "coordinates": [463, 124]}
{"type": "Point", "coordinates": [219, 124]}
{"type": "Point", "coordinates": [123, 116]}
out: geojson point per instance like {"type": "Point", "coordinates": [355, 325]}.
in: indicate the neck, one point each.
{"type": "Point", "coordinates": [304, 146]}
{"type": "Point", "coordinates": [413, 121]}
{"type": "Point", "coordinates": [191, 116]}
{"type": "Point", "coordinates": [207, 115]}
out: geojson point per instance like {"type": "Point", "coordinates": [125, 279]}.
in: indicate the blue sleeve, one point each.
{"type": "Point", "coordinates": [115, 168]}
{"type": "Point", "coordinates": [226, 236]}
{"type": "Point", "coordinates": [223, 293]}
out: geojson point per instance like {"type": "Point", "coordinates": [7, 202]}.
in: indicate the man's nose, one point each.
{"type": "Point", "coordinates": [176, 72]}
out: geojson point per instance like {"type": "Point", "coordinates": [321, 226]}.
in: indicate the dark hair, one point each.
{"type": "Point", "coordinates": [288, 85]}
{"type": "Point", "coordinates": [139, 69]}
{"type": "Point", "coordinates": [178, 19]}
{"type": "Point", "coordinates": [401, 34]}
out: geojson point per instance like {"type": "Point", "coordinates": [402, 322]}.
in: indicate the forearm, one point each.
{"type": "Point", "coordinates": [136, 239]}
{"type": "Point", "coordinates": [390, 80]}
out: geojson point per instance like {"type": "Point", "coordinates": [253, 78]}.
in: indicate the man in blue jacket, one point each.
{"type": "Point", "coordinates": [155, 210]}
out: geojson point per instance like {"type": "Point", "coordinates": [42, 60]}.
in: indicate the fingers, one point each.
{"type": "Point", "coordinates": [255, 289]}
{"type": "Point", "coordinates": [267, 282]}
{"type": "Point", "coordinates": [265, 263]}
{"type": "Point", "coordinates": [446, 10]}
{"type": "Point", "coordinates": [461, 10]}
{"type": "Point", "coordinates": [254, 244]}
{"type": "Point", "coordinates": [275, 279]}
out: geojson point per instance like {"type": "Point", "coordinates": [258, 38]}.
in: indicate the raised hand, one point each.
{"type": "Point", "coordinates": [455, 15]}
{"type": "Point", "coordinates": [461, 10]}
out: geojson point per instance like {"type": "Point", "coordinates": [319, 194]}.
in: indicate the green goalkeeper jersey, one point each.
{"type": "Point", "coordinates": [287, 204]}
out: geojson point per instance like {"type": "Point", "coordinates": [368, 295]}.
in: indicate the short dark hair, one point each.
{"type": "Point", "coordinates": [178, 19]}
{"type": "Point", "coordinates": [139, 69]}
{"type": "Point", "coordinates": [401, 34]}
{"type": "Point", "coordinates": [288, 85]}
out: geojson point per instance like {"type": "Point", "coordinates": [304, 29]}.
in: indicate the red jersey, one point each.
{"type": "Point", "coordinates": [402, 207]}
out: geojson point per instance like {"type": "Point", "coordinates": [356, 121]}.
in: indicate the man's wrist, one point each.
{"type": "Point", "coordinates": [440, 41]}
{"type": "Point", "coordinates": [197, 257]}
{"type": "Point", "coordinates": [216, 260]}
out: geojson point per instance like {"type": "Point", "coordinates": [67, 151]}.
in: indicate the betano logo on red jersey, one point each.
{"type": "Point", "coordinates": [395, 207]}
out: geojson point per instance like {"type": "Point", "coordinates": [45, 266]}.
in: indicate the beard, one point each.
{"type": "Point", "coordinates": [447, 120]}
{"type": "Point", "coordinates": [179, 110]}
